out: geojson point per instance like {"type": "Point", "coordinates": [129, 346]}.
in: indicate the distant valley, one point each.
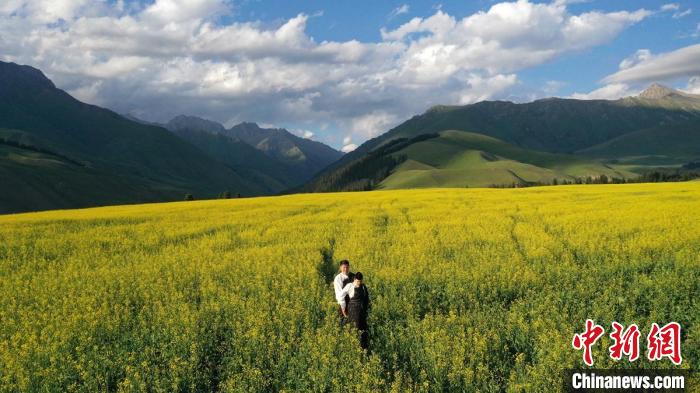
{"type": "Point", "coordinates": [274, 157]}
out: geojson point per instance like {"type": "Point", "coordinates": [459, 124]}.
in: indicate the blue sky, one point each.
{"type": "Point", "coordinates": [345, 71]}
{"type": "Point", "coordinates": [579, 71]}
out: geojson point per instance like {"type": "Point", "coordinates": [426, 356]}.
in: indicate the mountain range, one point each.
{"type": "Point", "coordinates": [58, 152]}
{"type": "Point", "coordinates": [492, 143]}
{"type": "Point", "coordinates": [274, 157]}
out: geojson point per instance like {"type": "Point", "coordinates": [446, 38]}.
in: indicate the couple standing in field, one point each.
{"type": "Point", "coordinates": [353, 300]}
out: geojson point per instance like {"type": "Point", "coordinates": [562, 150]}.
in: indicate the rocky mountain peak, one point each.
{"type": "Point", "coordinates": [657, 91]}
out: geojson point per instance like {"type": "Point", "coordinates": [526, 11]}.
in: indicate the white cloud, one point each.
{"type": "Point", "coordinates": [565, 2]}
{"type": "Point", "coordinates": [116, 66]}
{"type": "Point", "coordinates": [608, 92]}
{"type": "Point", "coordinates": [670, 7]}
{"type": "Point", "coordinates": [402, 9]}
{"type": "Point", "coordinates": [693, 86]}
{"type": "Point", "coordinates": [348, 148]}
{"type": "Point", "coordinates": [507, 37]}
{"type": "Point", "coordinates": [680, 14]}
{"type": "Point", "coordinates": [173, 56]}
{"type": "Point", "coordinates": [173, 11]}
{"type": "Point", "coordinates": [638, 57]}
{"type": "Point", "coordinates": [552, 87]}
{"type": "Point", "coordinates": [675, 8]}
{"type": "Point", "coordinates": [43, 11]}
{"type": "Point", "coordinates": [683, 62]}
{"type": "Point", "coordinates": [306, 134]}
{"type": "Point", "coordinates": [89, 93]}
{"type": "Point", "coordinates": [643, 67]}
{"type": "Point", "coordinates": [372, 124]}
{"type": "Point", "coordinates": [483, 88]}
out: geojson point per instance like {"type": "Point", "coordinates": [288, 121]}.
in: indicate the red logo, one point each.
{"type": "Point", "coordinates": [665, 342]}
{"type": "Point", "coordinates": [586, 339]}
{"type": "Point", "coordinates": [624, 342]}
{"type": "Point", "coordinates": [662, 342]}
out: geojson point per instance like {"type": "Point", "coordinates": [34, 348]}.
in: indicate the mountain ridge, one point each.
{"type": "Point", "coordinates": [151, 163]}
{"type": "Point", "coordinates": [296, 158]}
{"type": "Point", "coordinates": [555, 125]}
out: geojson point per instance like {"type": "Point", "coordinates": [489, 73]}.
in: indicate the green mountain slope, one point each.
{"type": "Point", "coordinates": [156, 164]}
{"type": "Point", "coordinates": [459, 158]}
{"type": "Point", "coordinates": [553, 124]}
{"type": "Point", "coordinates": [248, 161]}
{"type": "Point", "coordinates": [33, 180]}
{"type": "Point", "coordinates": [661, 144]}
{"type": "Point", "coordinates": [306, 156]}
{"type": "Point", "coordinates": [582, 138]}
{"type": "Point", "coordinates": [185, 123]}
{"type": "Point", "coordinates": [454, 158]}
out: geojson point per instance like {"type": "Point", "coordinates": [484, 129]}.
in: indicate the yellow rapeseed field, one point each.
{"type": "Point", "coordinates": [472, 289]}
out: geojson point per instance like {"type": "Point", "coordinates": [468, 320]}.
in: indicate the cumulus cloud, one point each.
{"type": "Point", "coordinates": [174, 56]}
{"type": "Point", "coordinates": [507, 37]}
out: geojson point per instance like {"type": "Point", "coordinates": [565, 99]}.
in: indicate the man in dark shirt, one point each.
{"type": "Point", "coordinates": [358, 305]}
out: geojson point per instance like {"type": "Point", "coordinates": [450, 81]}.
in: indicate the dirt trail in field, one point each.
{"type": "Point", "coordinates": [327, 266]}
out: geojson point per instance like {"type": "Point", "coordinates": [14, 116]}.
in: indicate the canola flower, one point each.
{"type": "Point", "coordinates": [473, 289]}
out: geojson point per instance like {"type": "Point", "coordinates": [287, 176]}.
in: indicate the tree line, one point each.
{"type": "Point", "coordinates": [685, 173]}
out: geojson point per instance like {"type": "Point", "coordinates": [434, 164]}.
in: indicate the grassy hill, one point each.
{"type": "Point", "coordinates": [471, 289]}
{"type": "Point", "coordinates": [454, 158]}
{"type": "Point", "coordinates": [458, 159]}
{"type": "Point", "coordinates": [546, 139]}
{"type": "Point", "coordinates": [553, 125]}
